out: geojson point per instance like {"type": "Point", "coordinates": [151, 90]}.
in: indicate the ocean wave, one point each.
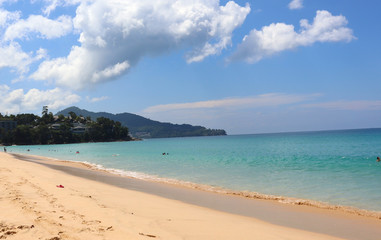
{"type": "Point", "coordinates": [245, 194]}
{"type": "Point", "coordinates": [209, 188]}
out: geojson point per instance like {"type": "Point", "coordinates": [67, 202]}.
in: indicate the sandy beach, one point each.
{"type": "Point", "coordinates": [95, 205]}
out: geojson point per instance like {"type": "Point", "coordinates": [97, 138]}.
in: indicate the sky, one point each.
{"type": "Point", "coordinates": [256, 66]}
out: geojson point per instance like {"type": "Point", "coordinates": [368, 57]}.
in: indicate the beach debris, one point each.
{"type": "Point", "coordinates": [147, 235]}
{"type": "Point", "coordinates": [60, 186]}
{"type": "Point", "coordinates": [54, 238]}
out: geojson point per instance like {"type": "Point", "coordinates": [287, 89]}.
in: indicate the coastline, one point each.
{"type": "Point", "coordinates": [215, 212]}
{"type": "Point", "coordinates": [48, 161]}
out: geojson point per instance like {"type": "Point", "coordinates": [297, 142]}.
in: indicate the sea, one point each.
{"type": "Point", "coordinates": [338, 168]}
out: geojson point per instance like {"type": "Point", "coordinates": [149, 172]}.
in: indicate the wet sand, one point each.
{"type": "Point", "coordinates": [99, 205]}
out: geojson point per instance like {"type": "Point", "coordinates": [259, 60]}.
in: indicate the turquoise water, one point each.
{"type": "Point", "coordinates": [336, 167]}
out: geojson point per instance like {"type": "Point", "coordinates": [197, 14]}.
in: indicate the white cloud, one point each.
{"type": "Point", "coordinates": [97, 99]}
{"type": "Point", "coordinates": [110, 72]}
{"type": "Point", "coordinates": [278, 37]}
{"type": "Point", "coordinates": [13, 28]}
{"type": "Point", "coordinates": [295, 4]}
{"type": "Point", "coordinates": [4, 1]}
{"type": "Point", "coordinates": [51, 5]}
{"type": "Point", "coordinates": [15, 101]}
{"type": "Point", "coordinates": [264, 100]}
{"type": "Point", "coordinates": [76, 71]}
{"type": "Point", "coordinates": [12, 56]}
{"type": "Point", "coordinates": [6, 17]}
{"type": "Point", "coordinates": [356, 105]}
{"type": "Point", "coordinates": [236, 115]}
{"type": "Point", "coordinates": [44, 27]}
{"type": "Point", "coordinates": [115, 35]}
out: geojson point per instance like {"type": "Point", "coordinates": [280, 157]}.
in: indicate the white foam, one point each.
{"type": "Point", "coordinates": [246, 194]}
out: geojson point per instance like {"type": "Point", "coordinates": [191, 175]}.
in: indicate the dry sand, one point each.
{"type": "Point", "coordinates": [33, 207]}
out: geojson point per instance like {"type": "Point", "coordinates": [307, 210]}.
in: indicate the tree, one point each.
{"type": "Point", "coordinates": [32, 129]}
{"type": "Point", "coordinates": [6, 137]}
{"type": "Point", "coordinates": [43, 134]}
{"type": "Point", "coordinates": [73, 116]}
{"type": "Point", "coordinates": [23, 135]}
{"type": "Point", "coordinates": [26, 119]}
{"type": "Point", "coordinates": [61, 118]}
{"type": "Point", "coordinates": [88, 119]}
{"type": "Point", "coordinates": [45, 110]}
{"type": "Point", "coordinates": [46, 119]}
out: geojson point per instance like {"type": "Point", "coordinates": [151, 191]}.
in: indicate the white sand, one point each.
{"type": "Point", "coordinates": [32, 207]}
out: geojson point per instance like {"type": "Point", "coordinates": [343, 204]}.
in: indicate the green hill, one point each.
{"type": "Point", "coordinates": [145, 128]}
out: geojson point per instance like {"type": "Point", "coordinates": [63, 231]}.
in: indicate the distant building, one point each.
{"type": "Point", "coordinates": [141, 134]}
{"type": "Point", "coordinates": [8, 125]}
{"type": "Point", "coordinates": [55, 126]}
{"type": "Point", "coordinates": [79, 128]}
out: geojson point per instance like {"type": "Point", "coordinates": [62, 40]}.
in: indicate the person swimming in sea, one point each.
{"type": "Point", "coordinates": [378, 159]}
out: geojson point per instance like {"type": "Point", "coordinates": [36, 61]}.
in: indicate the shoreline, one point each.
{"type": "Point", "coordinates": [207, 188]}
{"type": "Point", "coordinates": [301, 217]}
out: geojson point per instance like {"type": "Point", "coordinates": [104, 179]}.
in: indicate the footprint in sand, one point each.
{"type": "Point", "coordinates": [8, 230]}
{"type": "Point", "coordinates": [54, 238]}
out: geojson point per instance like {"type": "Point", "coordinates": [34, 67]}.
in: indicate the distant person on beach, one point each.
{"type": "Point", "coordinates": [378, 159]}
{"type": "Point", "coordinates": [5, 150]}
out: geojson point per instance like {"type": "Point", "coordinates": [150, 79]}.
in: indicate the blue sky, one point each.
{"type": "Point", "coordinates": [244, 66]}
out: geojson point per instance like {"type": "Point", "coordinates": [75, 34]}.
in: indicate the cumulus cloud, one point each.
{"type": "Point", "coordinates": [15, 101]}
{"type": "Point", "coordinates": [110, 72]}
{"type": "Point", "coordinates": [13, 28]}
{"type": "Point", "coordinates": [115, 35]}
{"type": "Point", "coordinates": [278, 37]}
{"type": "Point", "coordinates": [13, 56]}
{"type": "Point", "coordinates": [7, 17]}
{"type": "Point", "coordinates": [295, 4]}
{"type": "Point", "coordinates": [44, 27]}
{"type": "Point", "coordinates": [264, 100]}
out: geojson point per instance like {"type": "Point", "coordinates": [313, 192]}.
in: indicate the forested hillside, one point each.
{"type": "Point", "coordinates": [28, 129]}
{"type": "Point", "coordinates": [141, 127]}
